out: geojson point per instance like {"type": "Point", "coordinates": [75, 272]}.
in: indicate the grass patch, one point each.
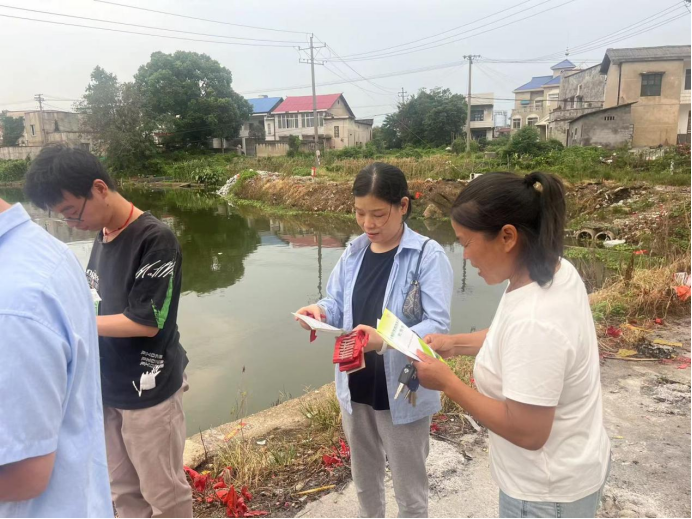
{"type": "Point", "coordinates": [644, 294]}
{"type": "Point", "coordinates": [463, 369]}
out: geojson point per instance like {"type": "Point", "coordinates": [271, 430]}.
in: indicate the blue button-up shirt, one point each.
{"type": "Point", "coordinates": [50, 386]}
{"type": "Point", "coordinates": [436, 283]}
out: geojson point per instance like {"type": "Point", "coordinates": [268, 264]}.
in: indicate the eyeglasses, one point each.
{"type": "Point", "coordinates": [79, 217]}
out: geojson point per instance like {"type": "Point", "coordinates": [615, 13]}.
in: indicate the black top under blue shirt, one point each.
{"type": "Point", "coordinates": [369, 385]}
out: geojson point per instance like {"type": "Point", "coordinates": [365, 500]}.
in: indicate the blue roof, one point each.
{"type": "Point", "coordinates": [554, 81]}
{"type": "Point", "coordinates": [535, 83]}
{"type": "Point", "coordinates": [263, 105]}
{"type": "Point", "coordinates": [564, 64]}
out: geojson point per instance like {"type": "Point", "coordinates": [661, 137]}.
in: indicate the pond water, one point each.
{"type": "Point", "coordinates": [243, 273]}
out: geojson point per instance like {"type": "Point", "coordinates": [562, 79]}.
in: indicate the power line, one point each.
{"type": "Point", "coordinates": [331, 49]}
{"type": "Point", "coordinates": [360, 54]}
{"type": "Point", "coordinates": [196, 18]}
{"type": "Point", "coordinates": [423, 48]}
{"type": "Point", "coordinates": [600, 42]}
{"type": "Point", "coordinates": [143, 33]}
{"type": "Point", "coordinates": [148, 26]}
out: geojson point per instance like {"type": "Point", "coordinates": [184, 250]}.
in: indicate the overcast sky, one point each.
{"type": "Point", "coordinates": [56, 60]}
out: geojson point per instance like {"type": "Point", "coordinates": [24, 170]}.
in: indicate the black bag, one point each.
{"type": "Point", "coordinates": [413, 306]}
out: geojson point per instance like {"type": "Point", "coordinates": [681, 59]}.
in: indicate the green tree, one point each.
{"type": "Point", "coordinates": [114, 117]}
{"type": "Point", "coordinates": [189, 96]}
{"type": "Point", "coordinates": [525, 141]}
{"type": "Point", "coordinates": [12, 129]}
{"type": "Point", "coordinates": [429, 118]}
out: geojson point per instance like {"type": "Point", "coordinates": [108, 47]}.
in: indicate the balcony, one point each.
{"type": "Point", "coordinates": [481, 124]}
{"type": "Point", "coordinates": [541, 111]}
{"type": "Point", "coordinates": [685, 97]}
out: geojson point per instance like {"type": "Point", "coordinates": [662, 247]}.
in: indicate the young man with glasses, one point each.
{"type": "Point", "coordinates": [52, 449]}
{"type": "Point", "coordinates": [135, 269]}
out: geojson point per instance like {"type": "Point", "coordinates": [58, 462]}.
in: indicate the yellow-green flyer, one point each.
{"type": "Point", "coordinates": [400, 337]}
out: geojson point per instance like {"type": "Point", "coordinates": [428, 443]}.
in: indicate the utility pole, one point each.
{"type": "Point", "coordinates": [402, 95]}
{"type": "Point", "coordinates": [470, 58]}
{"type": "Point", "coordinates": [314, 96]}
{"type": "Point", "coordinates": [39, 98]}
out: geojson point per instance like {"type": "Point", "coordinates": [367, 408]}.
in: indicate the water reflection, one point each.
{"type": "Point", "coordinates": [243, 273]}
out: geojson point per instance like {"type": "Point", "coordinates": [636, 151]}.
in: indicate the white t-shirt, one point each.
{"type": "Point", "coordinates": [542, 349]}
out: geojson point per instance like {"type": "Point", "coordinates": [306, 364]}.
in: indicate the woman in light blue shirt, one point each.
{"type": "Point", "coordinates": [376, 272]}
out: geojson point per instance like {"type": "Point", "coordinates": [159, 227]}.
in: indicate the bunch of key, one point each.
{"type": "Point", "coordinates": [408, 379]}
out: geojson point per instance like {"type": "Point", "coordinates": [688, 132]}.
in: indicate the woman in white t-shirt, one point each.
{"type": "Point", "coordinates": [537, 366]}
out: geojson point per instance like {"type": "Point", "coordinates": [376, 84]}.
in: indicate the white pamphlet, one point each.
{"type": "Point", "coordinates": [319, 326]}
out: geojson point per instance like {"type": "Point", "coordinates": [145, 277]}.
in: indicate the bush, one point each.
{"type": "Point", "coordinates": [13, 170]}
{"type": "Point", "coordinates": [459, 145]}
{"type": "Point", "coordinates": [524, 142]}
{"type": "Point", "coordinates": [208, 177]}
{"type": "Point", "coordinates": [302, 172]}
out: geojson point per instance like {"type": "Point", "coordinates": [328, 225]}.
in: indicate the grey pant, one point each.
{"type": "Point", "coordinates": [373, 438]}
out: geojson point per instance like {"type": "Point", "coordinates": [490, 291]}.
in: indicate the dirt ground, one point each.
{"type": "Point", "coordinates": [646, 413]}
{"type": "Point", "coordinates": [647, 416]}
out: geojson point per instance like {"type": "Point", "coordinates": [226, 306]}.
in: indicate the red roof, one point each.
{"type": "Point", "coordinates": [304, 103]}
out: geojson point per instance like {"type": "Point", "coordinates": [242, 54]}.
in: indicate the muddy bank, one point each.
{"type": "Point", "coordinates": [637, 212]}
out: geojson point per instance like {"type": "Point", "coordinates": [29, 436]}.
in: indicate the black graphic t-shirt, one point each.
{"type": "Point", "coordinates": [139, 274]}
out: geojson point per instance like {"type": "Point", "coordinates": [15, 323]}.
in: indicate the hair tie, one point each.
{"type": "Point", "coordinates": [531, 181]}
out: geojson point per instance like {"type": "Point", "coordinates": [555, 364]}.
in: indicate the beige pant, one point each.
{"type": "Point", "coordinates": [145, 459]}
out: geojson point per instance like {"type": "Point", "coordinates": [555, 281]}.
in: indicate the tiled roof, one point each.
{"type": "Point", "coordinates": [645, 54]}
{"type": "Point", "coordinates": [554, 81]}
{"type": "Point", "coordinates": [563, 65]}
{"type": "Point", "coordinates": [264, 105]}
{"type": "Point", "coordinates": [304, 103]}
{"type": "Point", "coordinates": [536, 83]}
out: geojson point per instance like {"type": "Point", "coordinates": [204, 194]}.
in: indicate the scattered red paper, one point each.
{"type": "Point", "coordinates": [434, 428]}
{"type": "Point", "coordinates": [338, 456]}
{"type": "Point", "coordinates": [313, 335]}
{"type": "Point", "coordinates": [331, 461]}
{"type": "Point", "coordinates": [683, 292]}
{"type": "Point", "coordinates": [658, 320]}
{"type": "Point", "coordinates": [418, 195]}
{"type": "Point", "coordinates": [639, 252]}
{"type": "Point", "coordinates": [685, 362]}
{"type": "Point", "coordinates": [199, 481]}
{"type": "Point", "coordinates": [614, 332]}
{"type": "Point", "coordinates": [344, 450]}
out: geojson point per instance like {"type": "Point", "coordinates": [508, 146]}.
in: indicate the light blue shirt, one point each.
{"type": "Point", "coordinates": [50, 386]}
{"type": "Point", "coordinates": [436, 283]}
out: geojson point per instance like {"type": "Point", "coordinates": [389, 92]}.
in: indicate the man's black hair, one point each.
{"type": "Point", "coordinates": [59, 168]}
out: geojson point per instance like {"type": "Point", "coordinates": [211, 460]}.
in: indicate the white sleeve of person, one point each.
{"type": "Point", "coordinates": [534, 357]}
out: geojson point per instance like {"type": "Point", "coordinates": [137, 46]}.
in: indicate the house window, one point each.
{"type": "Point", "coordinates": [336, 131]}
{"type": "Point", "coordinates": [609, 118]}
{"type": "Point", "coordinates": [532, 121]}
{"type": "Point", "coordinates": [538, 103]}
{"type": "Point", "coordinates": [320, 119]}
{"type": "Point", "coordinates": [477, 115]}
{"type": "Point", "coordinates": [56, 127]}
{"type": "Point", "coordinates": [33, 130]}
{"type": "Point", "coordinates": [516, 124]}
{"type": "Point", "coordinates": [687, 79]}
{"type": "Point", "coordinates": [288, 121]}
{"type": "Point", "coordinates": [269, 129]}
{"type": "Point", "coordinates": [308, 121]}
{"type": "Point", "coordinates": [651, 84]}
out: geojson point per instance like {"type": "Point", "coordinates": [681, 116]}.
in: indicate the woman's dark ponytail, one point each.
{"type": "Point", "coordinates": [534, 205]}
{"type": "Point", "coordinates": [385, 182]}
